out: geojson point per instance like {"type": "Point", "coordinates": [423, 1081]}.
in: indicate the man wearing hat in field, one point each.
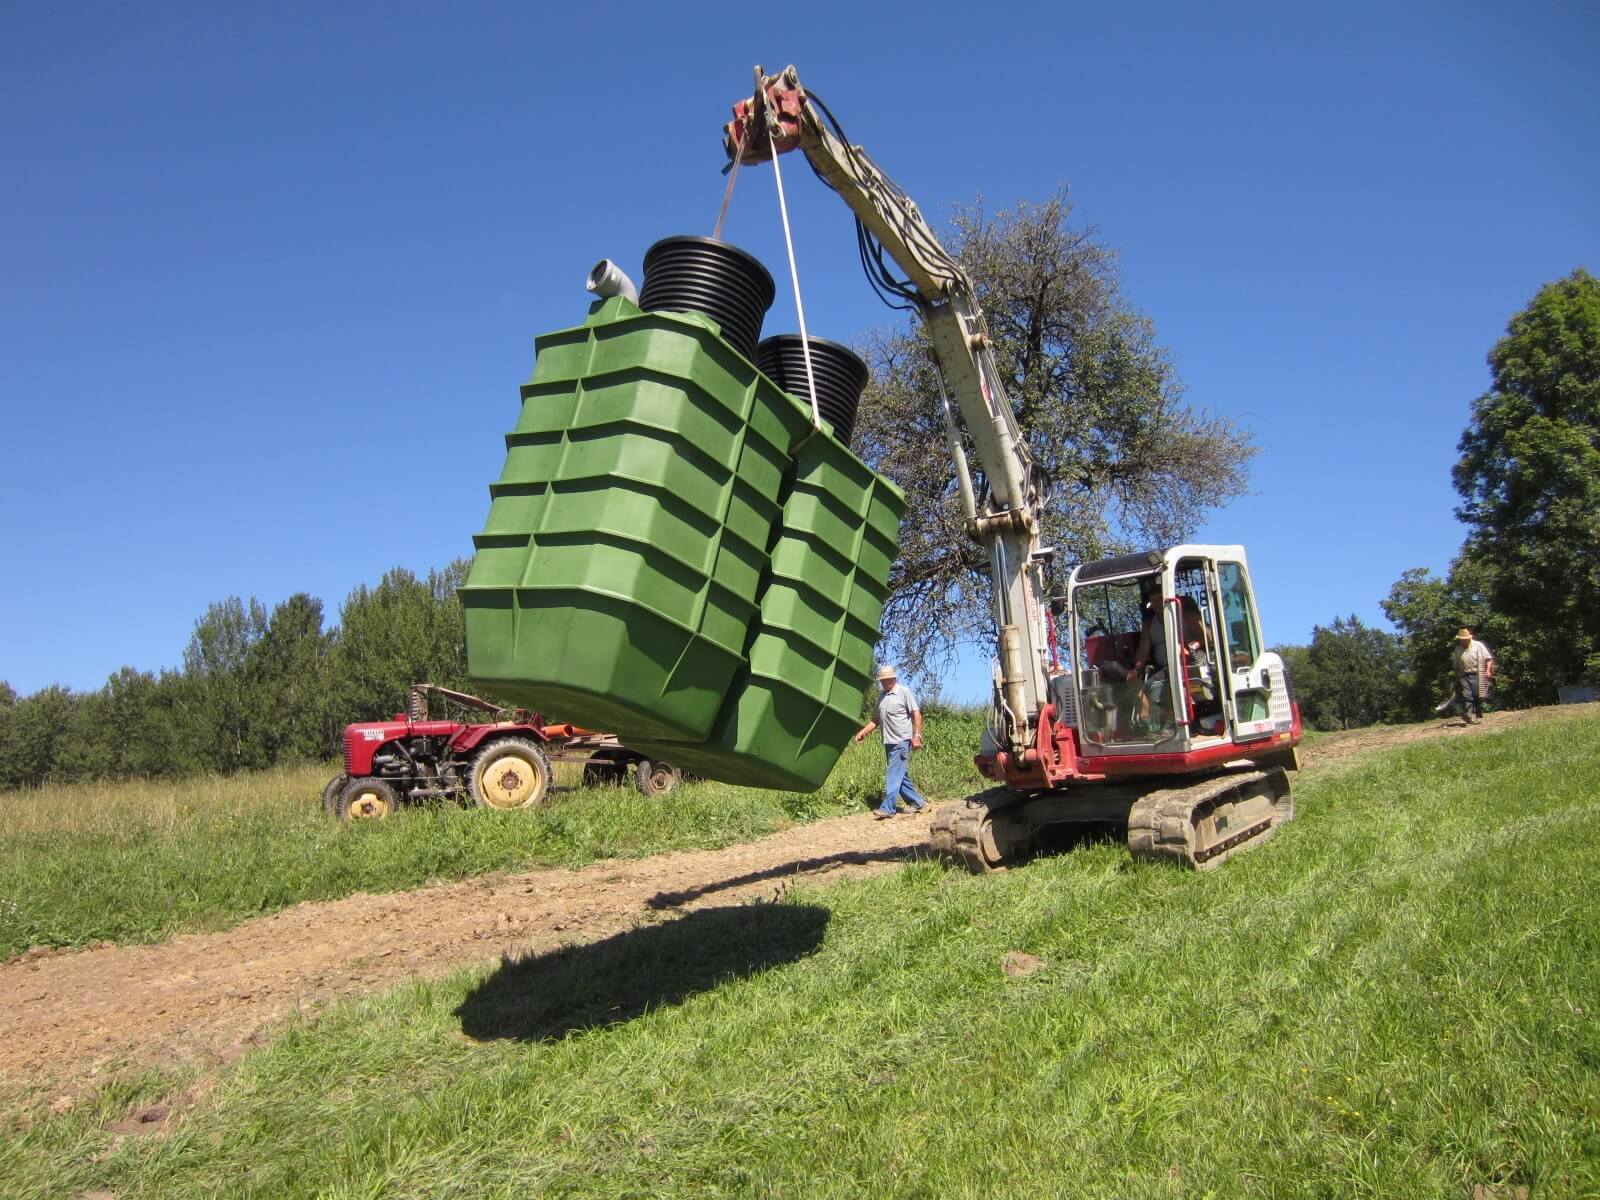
{"type": "Point", "coordinates": [1474, 668]}
{"type": "Point", "coordinates": [901, 718]}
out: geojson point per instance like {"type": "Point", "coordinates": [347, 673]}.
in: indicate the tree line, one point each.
{"type": "Point", "coordinates": [1527, 576]}
{"type": "Point", "coordinates": [257, 688]}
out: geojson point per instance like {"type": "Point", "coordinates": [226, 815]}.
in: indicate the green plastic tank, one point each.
{"type": "Point", "coordinates": [619, 572]}
{"type": "Point", "coordinates": [797, 699]}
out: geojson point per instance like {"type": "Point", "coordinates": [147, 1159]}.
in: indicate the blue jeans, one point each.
{"type": "Point", "coordinates": [1469, 693]}
{"type": "Point", "coordinates": [899, 783]}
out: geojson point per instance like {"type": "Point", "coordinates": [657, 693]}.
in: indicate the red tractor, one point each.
{"type": "Point", "coordinates": [503, 764]}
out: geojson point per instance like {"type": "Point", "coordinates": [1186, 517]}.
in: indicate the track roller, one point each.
{"type": "Point", "coordinates": [975, 833]}
{"type": "Point", "coordinates": [1205, 823]}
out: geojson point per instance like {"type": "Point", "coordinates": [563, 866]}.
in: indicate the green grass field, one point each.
{"type": "Point", "coordinates": [1397, 997]}
{"type": "Point", "coordinates": [138, 862]}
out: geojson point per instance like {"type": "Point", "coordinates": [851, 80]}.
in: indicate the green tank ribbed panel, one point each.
{"type": "Point", "coordinates": [796, 698]}
{"type": "Point", "coordinates": [619, 571]}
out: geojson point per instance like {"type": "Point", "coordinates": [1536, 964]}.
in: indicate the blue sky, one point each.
{"type": "Point", "coordinates": [270, 277]}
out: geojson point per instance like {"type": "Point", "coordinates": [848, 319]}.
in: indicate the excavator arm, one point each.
{"type": "Point", "coordinates": [781, 116]}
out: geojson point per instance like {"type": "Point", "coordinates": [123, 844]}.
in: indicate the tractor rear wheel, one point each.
{"type": "Point", "coordinates": [510, 773]}
{"type": "Point", "coordinates": [655, 778]}
{"type": "Point", "coordinates": [368, 799]}
{"type": "Point", "coordinates": [331, 790]}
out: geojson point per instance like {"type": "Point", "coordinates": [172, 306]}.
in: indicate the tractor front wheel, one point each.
{"type": "Point", "coordinates": [368, 799]}
{"type": "Point", "coordinates": [331, 790]}
{"type": "Point", "coordinates": [510, 773]}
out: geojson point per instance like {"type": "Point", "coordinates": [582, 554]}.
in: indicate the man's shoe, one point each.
{"type": "Point", "coordinates": [879, 815]}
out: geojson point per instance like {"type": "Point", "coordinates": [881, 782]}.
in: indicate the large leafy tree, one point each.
{"type": "Point", "coordinates": [225, 710]}
{"type": "Point", "coordinates": [404, 631]}
{"type": "Point", "coordinates": [255, 687]}
{"type": "Point", "coordinates": [287, 669]}
{"type": "Point", "coordinates": [1529, 479]}
{"type": "Point", "coordinates": [8, 712]}
{"type": "Point", "coordinates": [1128, 462]}
{"type": "Point", "coordinates": [33, 736]}
{"type": "Point", "coordinates": [134, 727]}
{"type": "Point", "coordinates": [1350, 676]}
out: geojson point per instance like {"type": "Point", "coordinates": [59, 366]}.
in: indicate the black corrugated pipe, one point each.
{"type": "Point", "coordinates": [698, 274]}
{"type": "Point", "coordinates": [840, 374]}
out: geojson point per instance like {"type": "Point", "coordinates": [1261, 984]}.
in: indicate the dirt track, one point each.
{"type": "Point", "coordinates": [206, 997]}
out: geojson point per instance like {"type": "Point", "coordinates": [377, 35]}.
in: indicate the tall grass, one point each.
{"type": "Point", "coordinates": [138, 861]}
{"type": "Point", "coordinates": [1397, 997]}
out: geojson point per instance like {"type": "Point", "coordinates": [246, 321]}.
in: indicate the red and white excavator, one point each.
{"type": "Point", "coordinates": [1142, 696]}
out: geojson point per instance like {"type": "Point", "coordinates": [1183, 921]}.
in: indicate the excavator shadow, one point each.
{"type": "Point", "coordinates": [543, 997]}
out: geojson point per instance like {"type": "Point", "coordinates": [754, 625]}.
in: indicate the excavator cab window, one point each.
{"type": "Point", "coordinates": [1115, 706]}
{"type": "Point", "coordinates": [1243, 642]}
{"type": "Point", "coordinates": [1108, 627]}
{"type": "Point", "coordinates": [1201, 650]}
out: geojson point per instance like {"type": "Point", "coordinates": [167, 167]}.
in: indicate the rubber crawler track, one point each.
{"type": "Point", "coordinates": [1207, 822]}
{"type": "Point", "coordinates": [1198, 825]}
{"type": "Point", "coordinates": [963, 833]}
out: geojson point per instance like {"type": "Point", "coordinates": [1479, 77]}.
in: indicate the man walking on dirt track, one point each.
{"type": "Point", "coordinates": [901, 717]}
{"type": "Point", "coordinates": [1474, 668]}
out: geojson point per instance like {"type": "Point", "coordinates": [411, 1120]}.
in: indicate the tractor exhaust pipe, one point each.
{"type": "Point", "coordinates": [607, 280]}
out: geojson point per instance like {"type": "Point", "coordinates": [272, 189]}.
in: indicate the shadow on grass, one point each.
{"type": "Point", "coordinates": [788, 870]}
{"type": "Point", "coordinates": [545, 996]}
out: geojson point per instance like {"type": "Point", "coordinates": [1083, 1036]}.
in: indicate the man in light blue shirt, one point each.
{"type": "Point", "coordinates": [901, 717]}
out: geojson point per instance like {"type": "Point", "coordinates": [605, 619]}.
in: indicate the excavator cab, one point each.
{"type": "Point", "coordinates": [1168, 657]}
{"type": "Point", "coordinates": [1167, 717]}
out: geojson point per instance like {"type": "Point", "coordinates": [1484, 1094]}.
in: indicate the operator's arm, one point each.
{"type": "Point", "coordinates": [1142, 654]}
{"type": "Point", "coordinates": [871, 725]}
{"type": "Point", "coordinates": [916, 729]}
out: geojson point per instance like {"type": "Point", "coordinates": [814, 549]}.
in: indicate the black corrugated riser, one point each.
{"type": "Point", "coordinates": [696, 274]}
{"type": "Point", "coordinates": [839, 373]}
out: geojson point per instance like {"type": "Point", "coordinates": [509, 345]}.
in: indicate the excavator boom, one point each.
{"type": "Point", "coordinates": [781, 116]}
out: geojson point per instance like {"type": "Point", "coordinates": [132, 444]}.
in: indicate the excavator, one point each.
{"type": "Point", "coordinates": [1141, 696]}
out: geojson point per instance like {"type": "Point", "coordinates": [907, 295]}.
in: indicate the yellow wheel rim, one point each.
{"type": "Point", "coordinates": [369, 804]}
{"type": "Point", "coordinates": [510, 782]}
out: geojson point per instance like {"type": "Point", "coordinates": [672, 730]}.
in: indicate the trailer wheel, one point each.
{"type": "Point", "coordinates": [510, 773]}
{"type": "Point", "coordinates": [368, 799]}
{"type": "Point", "coordinates": [331, 790]}
{"type": "Point", "coordinates": [655, 778]}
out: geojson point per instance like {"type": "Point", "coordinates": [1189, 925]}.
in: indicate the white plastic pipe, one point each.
{"type": "Point", "coordinates": [607, 279]}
